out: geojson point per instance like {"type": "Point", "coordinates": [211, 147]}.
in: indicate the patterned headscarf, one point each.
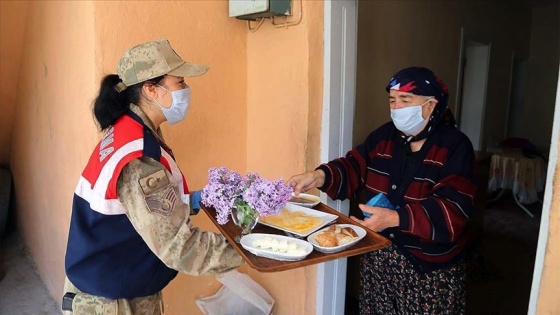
{"type": "Point", "coordinates": [422, 81]}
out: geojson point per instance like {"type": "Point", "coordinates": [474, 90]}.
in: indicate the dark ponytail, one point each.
{"type": "Point", "coordinates": [110, 105]}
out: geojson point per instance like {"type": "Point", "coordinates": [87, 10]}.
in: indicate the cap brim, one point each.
{"type": "Point", "coordinates": [189, 70]}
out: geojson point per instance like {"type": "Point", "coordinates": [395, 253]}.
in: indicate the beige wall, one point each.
{"type": "Point", "coordinates": [52, 127]}
{"type": "Point", "coordinates": [428, 33]}
{"type": "Point", "coordinates": [258, 109]}
{"type": "Point", "coordinates": [548, 302]}
{"type": "Point", "coordinates": [12, 25]}
{"type": "Point", "coordinates": [283, 93]}
{"type": "Point", "coordinates": [233, 121]}
{"type": "Point", "coordinates": [215, 130]}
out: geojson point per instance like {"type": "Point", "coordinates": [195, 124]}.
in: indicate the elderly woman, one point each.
{"type": "Point", "coordinates": [418, 171]}
{"type": "Point", "coordinates": [130, 231]}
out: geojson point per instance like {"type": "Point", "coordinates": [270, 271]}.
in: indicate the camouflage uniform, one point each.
{"type": "Point", "coordinates": [148, 193]}
{"type": "Point", "coordinates": [94, 305]}
{"type": "Point", "coordinates": [170, 235]}
{"type": "Point", "coordinates": [172, 238]}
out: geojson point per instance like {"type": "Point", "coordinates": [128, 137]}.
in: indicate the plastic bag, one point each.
{"type": "Point", "coordinates": [239, 295]}
{"type": "Point", "coordinates": [379, 200]}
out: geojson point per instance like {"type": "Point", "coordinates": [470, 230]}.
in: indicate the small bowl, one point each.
{"type": "Point", "coordinates": [305, 200]}
{"type": "Point", "coordinates": [329, 250]}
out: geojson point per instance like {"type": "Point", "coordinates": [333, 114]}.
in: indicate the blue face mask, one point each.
{"type": "Point", "coordinates": [409, 119]}
{"type": "Point", "coordinates": [178, 109]}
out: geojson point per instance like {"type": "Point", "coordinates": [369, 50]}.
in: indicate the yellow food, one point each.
{"type": "Point", "coordinates": [296, 221]}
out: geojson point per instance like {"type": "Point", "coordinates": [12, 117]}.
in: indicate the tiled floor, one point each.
{"type": "Point", "coordinates": [501, 277]}
{"type": "Point", "coordinates": [21, 290]}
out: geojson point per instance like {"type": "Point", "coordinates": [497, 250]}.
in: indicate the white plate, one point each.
{"type": "Point", "coordinates": [313, 200]}
{"type": "Point", "coordinates": [361, 233]}
{"type": "Point", "coordinates": [247, 243]}
{"type": "Point", "coordinates": [324, 217]}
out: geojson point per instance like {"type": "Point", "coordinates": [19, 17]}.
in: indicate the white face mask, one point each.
{"type": "Point", "coordinates": [179, 107]}
{"type": "Point", "coordinates": [409, 119]}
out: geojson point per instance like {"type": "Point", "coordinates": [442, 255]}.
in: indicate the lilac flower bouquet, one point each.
{"type": "Point", "coordinates": [251, 196]}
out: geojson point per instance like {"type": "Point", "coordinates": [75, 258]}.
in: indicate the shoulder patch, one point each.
{"type": "Point", "coordinates": [159, 193]}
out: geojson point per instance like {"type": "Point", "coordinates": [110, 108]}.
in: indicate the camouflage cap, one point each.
{"type": "Point", "coordinates": [153, 59]}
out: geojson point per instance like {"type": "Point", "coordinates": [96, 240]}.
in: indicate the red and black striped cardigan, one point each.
{"type": "Point", "coordinates": [435, 195]}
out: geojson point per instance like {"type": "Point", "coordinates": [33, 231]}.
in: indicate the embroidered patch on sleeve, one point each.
{"type": "Point", "coordinates": [159, 193]}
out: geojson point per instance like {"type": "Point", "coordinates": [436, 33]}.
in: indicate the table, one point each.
{"type": "Point", "coordinates": [524, 176]}
{"type": "Point", "coordinates": [372, 241]}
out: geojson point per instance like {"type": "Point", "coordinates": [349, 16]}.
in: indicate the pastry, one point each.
{"type": "Point", "coordinates": [335, 235]}
{"type": "Point", "coordinates": [349, 231]}
{"type": "Point", "coordinates": [343, 238]}
{"type": "Point", "coordinates": [326, 239]}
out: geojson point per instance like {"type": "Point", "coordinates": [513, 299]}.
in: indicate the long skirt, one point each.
{"type": "Point", "coordinates": [391, 285]}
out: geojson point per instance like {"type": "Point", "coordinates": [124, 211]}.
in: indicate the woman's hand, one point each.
{"type": "Point", "coordinates": [380, 219]}
{"type": "Point", "coordinates": [304, 182]}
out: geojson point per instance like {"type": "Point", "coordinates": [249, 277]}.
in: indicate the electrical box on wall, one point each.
{"type": "Point", "coordinates": [255, 9]}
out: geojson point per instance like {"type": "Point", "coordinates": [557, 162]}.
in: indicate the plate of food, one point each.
{"type": "Point", "coordinates": [305, 200]}
{"type": "Point", "coordinates": [336, 237]}
{"type": "Point", "coordinates": [297, 220]}
{"type": "Point", "coordinates": [276, 246]}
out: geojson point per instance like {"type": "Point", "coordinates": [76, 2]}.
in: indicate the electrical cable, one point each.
{"type": "Point", "coordinates": [257, 27]}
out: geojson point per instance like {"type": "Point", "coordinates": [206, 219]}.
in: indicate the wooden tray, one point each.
{"type": "Point", "coordinates": [372, 241]}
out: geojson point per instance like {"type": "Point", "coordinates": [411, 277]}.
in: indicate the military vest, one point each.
{"type": "Point", "coordinates": [105, 255]}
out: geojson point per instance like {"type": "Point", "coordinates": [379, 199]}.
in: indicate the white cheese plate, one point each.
{"type": "Point", "coordinates": [276, 246]}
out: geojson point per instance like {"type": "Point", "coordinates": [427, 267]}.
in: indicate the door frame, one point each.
{"type": "Point", "coordinates": [544, 227]}
{"type": "Point", "coordinates": [339, 88]}
{"type": "Point", "coordinates": [339, 97]}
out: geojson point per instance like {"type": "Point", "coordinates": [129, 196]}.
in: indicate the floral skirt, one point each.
{"type": "Point", "coordinates": [391, 285]}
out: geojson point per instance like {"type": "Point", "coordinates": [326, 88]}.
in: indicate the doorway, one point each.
{"type": "Point", "coordinates": [333, 90]}
{"type": "Point", "coordinates": [472, 83]}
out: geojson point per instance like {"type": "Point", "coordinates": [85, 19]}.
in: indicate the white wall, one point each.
{"type": "Point", "coordinates": [474, 93]}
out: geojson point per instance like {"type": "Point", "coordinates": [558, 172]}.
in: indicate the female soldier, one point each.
{"type": "Point", "coordinates": [130, 231]}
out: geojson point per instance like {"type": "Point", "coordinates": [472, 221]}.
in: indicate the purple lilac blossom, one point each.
{"type": "Point", "coordinates": [222, 190]}
{"type": "Point", "coordinates": [227, 188]}
{"type": "Point", "coordinates": [267, 197]}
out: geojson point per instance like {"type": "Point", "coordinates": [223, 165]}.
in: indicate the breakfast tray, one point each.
{"type": "Point", "coordinates": [372, 241]}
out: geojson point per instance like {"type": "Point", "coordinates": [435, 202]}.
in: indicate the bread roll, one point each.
{"type": "Point", "coordinates": [336, 235]}
{"type": "Point", "coordinates": [326, 239]}
{"type": "Point", "coordinates": [343, 238]}
{"type": "Point", "coordinates": [349, 231]}
{"type": "Point", "coordinates": [334, 228]}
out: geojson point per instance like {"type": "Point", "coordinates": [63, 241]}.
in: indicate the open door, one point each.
{"type": "Point", "coordinates": [472, 82]}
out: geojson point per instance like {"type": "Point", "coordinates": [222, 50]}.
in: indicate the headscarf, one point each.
{"type": "Point", "coordinates": [422, 81]}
